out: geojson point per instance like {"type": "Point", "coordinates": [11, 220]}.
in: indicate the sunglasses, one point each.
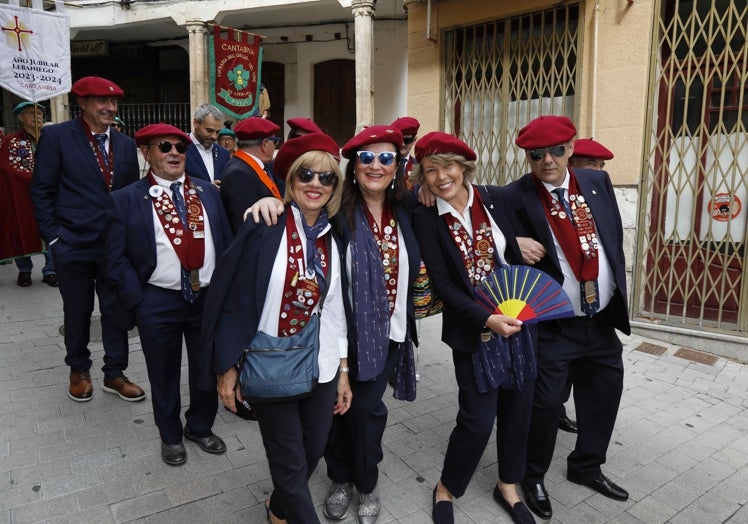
{"type": "Point", "coordinates": [165, 147]}
{"type": "Point", "coordinates": [306, 175]}
{"type": "Point", "coordinates": [539, 154]}
{"type": "Point", "coordinates": [408, 139]}
{"type": "Point", "coordinates": [274, 139]}
{"type": "Point", "coordinates": [367, 157]}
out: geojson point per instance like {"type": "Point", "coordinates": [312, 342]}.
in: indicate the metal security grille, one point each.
{"type": "Point", "coordinates": [695, 185]}
{"type": "Point", "coordinates": [500, 75]}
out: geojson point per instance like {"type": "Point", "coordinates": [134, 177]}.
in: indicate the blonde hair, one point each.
{"type": "Point", "coordinates": [326, 162]}
{"type": "Point", "coordinates": [444, 160]}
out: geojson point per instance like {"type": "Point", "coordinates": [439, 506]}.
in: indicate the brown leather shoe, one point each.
{"type": "Point", "coordinates": [124, 388]}
{"type": "Point", "coordinates": [80, 389]}
{"type": "Point", "coordinates": [51, 280]}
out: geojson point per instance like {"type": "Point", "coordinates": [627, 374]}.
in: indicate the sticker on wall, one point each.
{"type": "Point", "coordinates": [725, 206]}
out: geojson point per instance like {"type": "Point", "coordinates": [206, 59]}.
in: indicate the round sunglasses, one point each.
{"type": "Point", "coordinates": [165, 146]}
{"type": "Point", "coordinates": [367, 157]}
{"type": "Point", "coordinates": [306, 175]}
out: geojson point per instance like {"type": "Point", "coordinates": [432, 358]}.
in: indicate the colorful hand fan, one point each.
{"type": "Point", "coordinates": [524, 293]}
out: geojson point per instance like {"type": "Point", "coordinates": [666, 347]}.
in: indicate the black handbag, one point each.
{"type": "Point", "coordinates": [278, 369]}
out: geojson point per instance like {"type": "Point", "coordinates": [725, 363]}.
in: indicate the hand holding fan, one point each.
{"type": "Point", "coordinates": [524, 293]}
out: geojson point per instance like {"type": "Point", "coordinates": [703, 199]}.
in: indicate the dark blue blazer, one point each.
{"type": "Point", "coordinates": [240, 188]}
{"type": "Point", "coordinates": [529, 220]}
{"type": "Point", "coordinates": [68, 190]}
{"type": "Point", "coordinates": [463, 318]}
{"type": "Point", "coordinates": [131, 241]}
{"type": "Point", "coordinates": [196, 167]}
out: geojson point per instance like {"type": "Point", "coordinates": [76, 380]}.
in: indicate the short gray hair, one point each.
{"type": "Point", "coordinates": [207, 109]}
{"type": "Point", "coordinates": [255, 142]}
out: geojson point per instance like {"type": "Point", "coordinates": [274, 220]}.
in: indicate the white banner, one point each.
{"type": "Point", "coordinates": [34, 51]}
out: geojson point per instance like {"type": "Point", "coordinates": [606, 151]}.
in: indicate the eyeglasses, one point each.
{"type": "Point", "coordinates": [165, 147]}
{"type": "Point", "coordinates": [539, 154]}
{"type": "Point", "coordinates": [306, 175]}
{"type": "Point", "coordinates": [367, 157]}
{"type": "Point", "coordinates": [274, 139]}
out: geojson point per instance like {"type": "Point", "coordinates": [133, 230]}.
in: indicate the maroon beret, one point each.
{"type": "Point", "coordinates": [373, 135]}
{"type": "Point", "coordinates": [96, 86]}
{"type": "Point", "coordinates": [407, 125]}
{"type": "Point", "coordinates": [304, 124]}
{"type": "Point", "coordinates": [293, 149]}
{"type": "Point", "coordinates": [436, 143]}
{"type": "Point", "coordinates": [145, 134]}
{"type": "Point", "coordinates": [546, 131]}
{"type": "Point", "coordinates": [255, 127]}
{"type": "Point", "coordinates": [588, 148]}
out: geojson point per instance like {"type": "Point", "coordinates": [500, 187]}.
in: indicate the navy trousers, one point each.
{"type": "Point", "coordinates": [589, 351]}
{"type": "Point", "coordinates": [511, 410]}
{"type": "Point", "coordinates": [80, 275]}
{"type": "Point", "coordinates": [354, 449]}
{"type": "Point", "coordinates": [164, 318]}
{"type": "Point", "coordinates": [294, 435]}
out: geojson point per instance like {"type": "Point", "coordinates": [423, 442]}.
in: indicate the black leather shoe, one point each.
{"type": "Point", "coordinates": [442, 512]}
{"type": "Point", "coordinates": [24, 279]}
{"type": "Point", "coordinates": [566, 424]}
{"type": "Point", "coordinates": [173, 454]}
{"type": "Point", "coordinates": [519, 512]}
{"type": "Point", "coordinates": [537, 499]}
{"type": "Point", "coordinates": [210, 444]}
{"type": "Point", "coordinates": [601, 484]}
{"type": "Point", "coordinates": [51, 280]}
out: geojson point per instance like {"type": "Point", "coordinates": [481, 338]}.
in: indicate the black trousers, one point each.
{"type": "Point", "coordinates": [164, 318]}
{"type": "Point", "coordinates": [81, 275]}
{"type": "Point", "coordinates": [354, 449]}
{"type": "Point", "coordinates": [475, 420]}
{"type": "Point", "coordinates": [589, 351]}
{"type": "Point", "coordinates": [294, 435]}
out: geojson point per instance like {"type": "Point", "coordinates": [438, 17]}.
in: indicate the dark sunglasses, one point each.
{"type": "Point", "coordinates": [165, 147]}
{"type": "Point", "coordinates": [274, 139]}
{"type": "Point", "coordinates": [408, 139]}
{"type": "Point", "coordinates": [539, 154]}
{"type": "Point", "coordinates": [306, 175]}
{"type": "Point", "coordinates": [367, 157]}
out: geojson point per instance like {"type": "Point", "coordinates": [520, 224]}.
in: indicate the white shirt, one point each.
{"type": "Point", "coordinates": [206, 155]}
{"type": "Point", "coordinates": [605, 282]}
{"type": "Point", "coordinates": [168, 272]}
{"type": "Point", "coordinates": [499, 239]}
{"type": "Point", "coordinates": [333, 333]}
{"type": "Point", "coordinates": [399, 318]}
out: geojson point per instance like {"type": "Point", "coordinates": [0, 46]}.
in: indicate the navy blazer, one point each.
{"type": "Point", "coordinates": [240, 188]}
{"type": "Point", "coordinates": [131, 237]}
{"type": "Point", "coordinates": [529, 220]}
{"type": "Point", "coordinates": [68, 190]}
{"type": "Point", "coordinates": [195, 166]}
{"type": "Point", "coordinates": [463, 318]}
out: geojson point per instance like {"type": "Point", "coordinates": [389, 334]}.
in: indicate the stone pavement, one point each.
{"type": "Point", "coordinates": [680, 446]}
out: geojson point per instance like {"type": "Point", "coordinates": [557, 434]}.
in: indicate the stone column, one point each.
{"type": "Point", "coordinates": [363, 12]}
{"type": "Point", "coordinates": [59, 109]}
{"type": "Point", "coordinates": [197, 31]}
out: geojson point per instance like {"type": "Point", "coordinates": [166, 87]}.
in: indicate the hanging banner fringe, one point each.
{"type": "Point", "coordinates": [235, 71]}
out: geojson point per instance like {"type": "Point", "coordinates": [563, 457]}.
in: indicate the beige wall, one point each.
{"type": "Point", "coordinates": [621, 65]}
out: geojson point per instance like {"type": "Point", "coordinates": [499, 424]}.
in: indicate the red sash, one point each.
{"type": "Point", "coordinates": [106, 173]}
{"type": "Point", "coordinates": [301, 290]}
{"type": "Point", "coordinates": [264, 177]}
{"type": "Point", "coordinates": [479, 250]}
{"type": "Point", "coordinates": [188, 240]}
{"type": "Point", "coordinates": [578, 240]}
{"type": "Point", "coordinates": [389, 249]}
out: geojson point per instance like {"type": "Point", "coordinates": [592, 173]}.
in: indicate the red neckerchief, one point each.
{"type": "Point", "coordinates": [389, 248]}
{"type": "Point", "coordinates": [477, 252]}
{"type": "Point", "coordinates": [188, 240]}
{"type": "Point", "coordinates": [578, 240]}
{"type": "Point", "coordinates": [108, 174]}
{"type": "Point", "coordinates": [300, 290]}
{"type": "Point", "coordinates": [261, 173]}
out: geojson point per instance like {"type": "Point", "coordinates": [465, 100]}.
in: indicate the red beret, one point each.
{"type": "Point", "coordinates": [304, 124]}
{"type": "Point", "coordinates": [588, 148]}
{"type": "Point", "coordinates": [148, 133]}
{"type": "Point", "coordinates": [436, 143]}
{"type": "Point", "coordinates": [373, 135]}
{"type": "Point", "coordinates": [293, 149]}
{"type": "Point", "coordinates": [255, 127]}
{"type": "Point", "coordinates": [96, 86]}
{"type": "Point", "coordinates": [546, 131]}
{"type": "Point", "coordinates": [407, 125]}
